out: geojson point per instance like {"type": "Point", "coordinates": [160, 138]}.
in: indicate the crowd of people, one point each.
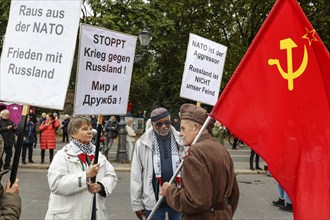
{"type": "Point", "coordinates": [78, 184]}
{"type": "Point", "coordinates": [48, 127]}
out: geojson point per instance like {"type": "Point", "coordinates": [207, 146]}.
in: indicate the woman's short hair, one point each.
{"type": "Point", "coordinates": [76, 123]}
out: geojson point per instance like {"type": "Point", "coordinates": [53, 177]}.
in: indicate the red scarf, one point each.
{"type": "Point", "coordinates": [83, 158]}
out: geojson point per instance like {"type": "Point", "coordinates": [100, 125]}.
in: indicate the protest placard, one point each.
{"type": "Point", "coordinates": [38, 51]}
{"type": "Point", "coordinates": [105, 67]}
{"type": "Point", "coordinates": [203, 70]}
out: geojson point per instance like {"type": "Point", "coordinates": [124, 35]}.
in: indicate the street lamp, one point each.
{"type": "Point", "coordinates": [121, 157]}
{"type": "Point", "coordinates": [144, 38]}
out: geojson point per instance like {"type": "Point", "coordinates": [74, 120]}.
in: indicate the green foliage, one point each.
{"type": "Point", "coordinates": [318, 13]}
{"type": "Point", "coordinates": [157, 77]}
{"type": "Point", "coordinates": [4, 15]}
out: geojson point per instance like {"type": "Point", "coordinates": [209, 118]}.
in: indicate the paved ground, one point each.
{"type": "Point", "coordinates": [257, 192]}
{"type": "Point", "coordinates": [239, 156]}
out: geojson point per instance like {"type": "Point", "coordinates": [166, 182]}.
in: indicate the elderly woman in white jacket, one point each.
{"type": "Point", "coordinates": [69, 177]}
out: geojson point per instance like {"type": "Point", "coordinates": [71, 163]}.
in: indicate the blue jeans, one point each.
{"type": "Point", "coordinates": [282, 194]}
{"type": "Point", "coordinates": [160, 213]}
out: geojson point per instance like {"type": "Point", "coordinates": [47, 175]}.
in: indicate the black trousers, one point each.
{"type": "Point", "coordinates": [235, 143]}
{"type": "Point", "coordinates": [51, 155]}
{"type": "Point", "coordinates": [29, 148]}
{"type": "Point", "coordinates": [8, 150]}
{"type": "Point", "coordinates": [251, 159]}
{"type": "Point", "coordinates": [65, 137]}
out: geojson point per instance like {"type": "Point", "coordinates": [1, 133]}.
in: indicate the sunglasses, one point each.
{"type": "Point", "coordinates": [160, 124]}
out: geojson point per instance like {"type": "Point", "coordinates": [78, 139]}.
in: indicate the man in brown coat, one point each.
{"type": "Point", "coordinates": [10, 202]}
{"type": "Point", "coordinates": [210, 189]}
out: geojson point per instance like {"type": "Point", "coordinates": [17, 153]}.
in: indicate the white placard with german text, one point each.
{"type": "Point", "coordinates": [104, 71]}
{"type": "Point", "coordinates": [203, 70]}
{"type": "Point", "coordinates": [38, 51]}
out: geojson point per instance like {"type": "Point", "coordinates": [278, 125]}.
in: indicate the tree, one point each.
{"type": "Point", "coordinates": [157, 77]}
{"type": "Point", "coordinates": [225, 22]}
{"type": "Point", "coordinates": [130, 17]}
{"type": "Point", "coordinates": [4, 15]}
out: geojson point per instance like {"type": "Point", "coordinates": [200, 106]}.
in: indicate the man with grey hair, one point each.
{"type": "Point", "coordinates": [7, 131]}
{"type": "Point", "coordinates": [210, 189]}
{"type": "Point", "coordinates": [156, 156]}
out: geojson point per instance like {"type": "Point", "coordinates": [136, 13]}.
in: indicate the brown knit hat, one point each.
{"type": "Point", "coordinates": [194, 113]}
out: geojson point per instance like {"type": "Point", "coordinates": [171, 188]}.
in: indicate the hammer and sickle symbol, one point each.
{"type": "Point", "coordinates": [288, 44]}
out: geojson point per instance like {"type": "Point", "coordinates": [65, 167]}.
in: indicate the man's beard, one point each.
{"type": "Point", "coordinates": [162, 133]}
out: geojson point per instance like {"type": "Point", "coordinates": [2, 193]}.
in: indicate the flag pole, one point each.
{"type": "Point", "coordinates": [161, 198]}
{"type": "Point", "coordinates": [97, 143]}
{"type": "Point", "coordinates": [18, 145]}
{"type": "Point", "coordinates": [96, 159]}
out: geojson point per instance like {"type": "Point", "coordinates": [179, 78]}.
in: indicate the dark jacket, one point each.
{"type": "Point", "coordinates": [33, 118]}
{"type": "Point", "coordinates": [29, 134]}
{"type": "Point", "coordinates": [65, 124]}
{"type": "Point", "coordinates": [8, 135]}
{"type": "Point", "coordinates": [41, 120]}
{"type": "Point", "coordinates": [208, 177]}
{"type": "Point", "coordinates": [111, 127]}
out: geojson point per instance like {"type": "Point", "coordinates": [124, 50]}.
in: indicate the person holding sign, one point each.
{"type": "Point", "coordinates": [48, 136]}
{"type": "Point", "coordinates": [70, 174]}
{"type": "Point", "coordinates": [156, 156]}
{"type": "Point", "coordinates": [210, 189]}
{"type": "Point", "coordinates": [10, 201]}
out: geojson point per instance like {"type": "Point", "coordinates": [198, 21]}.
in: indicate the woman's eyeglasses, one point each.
{"type": "Point", "coordinates": [160, 124]}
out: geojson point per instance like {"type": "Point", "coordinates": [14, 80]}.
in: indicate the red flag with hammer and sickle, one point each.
{"type": "Point", "coordinates": [278, 102]}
